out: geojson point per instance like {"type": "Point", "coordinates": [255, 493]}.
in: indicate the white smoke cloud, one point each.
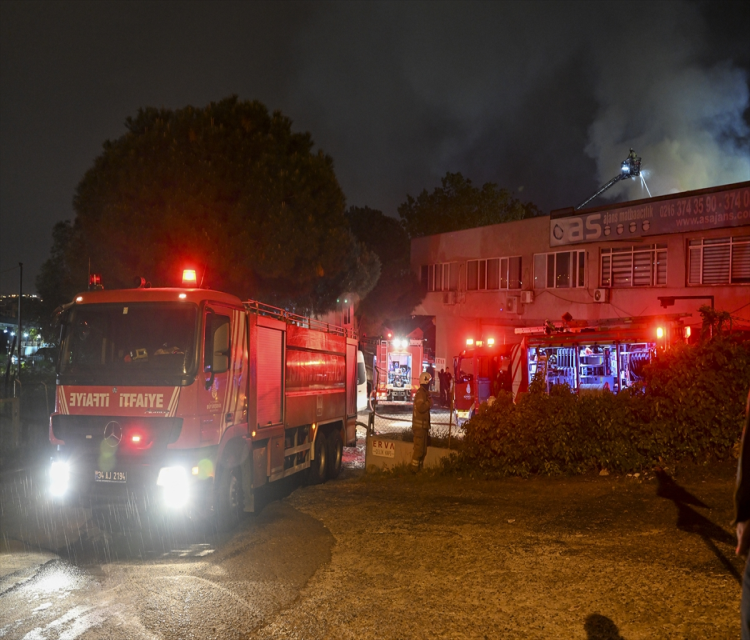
{"type": "Point", "coordinates": [684, 118]}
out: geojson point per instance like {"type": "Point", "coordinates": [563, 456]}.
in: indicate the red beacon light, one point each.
{"type": "Point", "coordinates": [659, 332]}
{"type": "Point", "coordinates": [189, 278]}
{"type": "Point", "coordinates": [95, 282]}
{"type": "Point", "coordinates": [469, 342]}
{"type": "Point", "coordinates": [491, 342]}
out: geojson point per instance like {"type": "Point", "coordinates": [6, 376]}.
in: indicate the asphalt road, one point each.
{"type": "Point", "coordinates": [84, 574]}
{"type": "Point", "coordinates": [388, 556]}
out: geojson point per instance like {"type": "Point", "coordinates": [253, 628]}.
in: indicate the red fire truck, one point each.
{"type": "Point", "coordinates": [481, 370]}
{"type": "Point", "coordinates": [193, 398]}
{"type": "Point", "coordinates": [608, 356]}
{"type": "Point", "coordinates": [398, 364]}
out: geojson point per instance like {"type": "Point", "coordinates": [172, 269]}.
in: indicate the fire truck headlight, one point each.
{"type": "Point", "coordinates": [59, 477]}
{"type": "Point", "coordinates": [175, 486]}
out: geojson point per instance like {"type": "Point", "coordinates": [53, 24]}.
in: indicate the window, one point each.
{"type": "Point", "coordinates": [440, 277]}
{"type": "Point", "coordinates": [719, 261]}
{"type": "Point", "coordinates": [561, 270]}
{"type": "Point", "coordinates": [493, 274]}
{"type": "Point", "coordinates": [634, 266]}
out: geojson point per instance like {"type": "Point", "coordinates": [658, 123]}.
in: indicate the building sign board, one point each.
{"type": "Point", "coordinates": [690, 211]}
{"type": "Point", "coordinates": [383, 448]}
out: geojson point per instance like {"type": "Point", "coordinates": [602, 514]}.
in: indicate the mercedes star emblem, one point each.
{"type": "Point", "coordinates": [113, 432]}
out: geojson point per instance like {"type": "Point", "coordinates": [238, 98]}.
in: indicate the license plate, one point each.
{"type": "Point", "coordinates": [118, 477]}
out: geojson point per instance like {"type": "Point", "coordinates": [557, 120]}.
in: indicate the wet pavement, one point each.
{"type": "Point", "coordinates": [384, 556]}
{"type": "Point", "coordinates": [74, 573]}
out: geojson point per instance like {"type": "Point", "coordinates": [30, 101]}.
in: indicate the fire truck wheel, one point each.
{"type": "Point", "coordinates": [335, 454]}
{"type": "Point", "coordinates": [229, 502]}
{"type": "Point", "coordinates": [319, 465]}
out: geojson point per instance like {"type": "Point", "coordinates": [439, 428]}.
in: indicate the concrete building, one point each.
{"type": "Point", "coordinates": [598, 264]}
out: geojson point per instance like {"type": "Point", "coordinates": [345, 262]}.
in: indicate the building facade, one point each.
{"type": "Point", "coordinates": [604, 264]}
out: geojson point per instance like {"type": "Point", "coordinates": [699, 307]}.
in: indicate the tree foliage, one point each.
{"type": "Point", "coordinates": [397, 291]}
{"type": "Point", "coordinates": [229, 189]}
{"type": "Point", "coordinates": [458, 204]}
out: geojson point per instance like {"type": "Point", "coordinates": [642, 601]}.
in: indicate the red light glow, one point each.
{"type": "Point", "coordinates": [659, 332]}
{"type": "Point", "coordinates": [189, 278]}
{"type": "Point", "coordinates": [469, 342]}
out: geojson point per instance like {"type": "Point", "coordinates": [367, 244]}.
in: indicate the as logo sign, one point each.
{"type": "Point", "coordinates": [575, 229]}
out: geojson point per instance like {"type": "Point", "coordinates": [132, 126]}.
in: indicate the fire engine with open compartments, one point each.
{"type": "Point", "coordinates": [588, 356]}
{"type": "Point", "coordinates": [193, 397]}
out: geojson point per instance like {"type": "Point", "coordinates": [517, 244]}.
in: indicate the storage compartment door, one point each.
{"type": "Point", "coordinates": [269, 375]}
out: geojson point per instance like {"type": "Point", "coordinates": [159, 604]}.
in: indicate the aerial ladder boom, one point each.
{"type": "Point", "coordinates": [630, 168]}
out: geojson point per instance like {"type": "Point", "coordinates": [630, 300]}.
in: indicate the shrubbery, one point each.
{"type": "Point", "coordinates": [691, 406]}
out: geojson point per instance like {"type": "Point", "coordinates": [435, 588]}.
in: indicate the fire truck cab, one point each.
{"type": "Point", "coordinates": [480, 371]}
{"type": "Point", "coordinates": [193, 399]}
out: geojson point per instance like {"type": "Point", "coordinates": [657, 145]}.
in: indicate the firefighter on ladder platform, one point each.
{"type": "Point", "coordinates": [420, 421]}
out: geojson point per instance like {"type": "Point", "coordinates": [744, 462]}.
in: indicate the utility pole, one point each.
{"type": "Point", "coordinates": [20, 324]}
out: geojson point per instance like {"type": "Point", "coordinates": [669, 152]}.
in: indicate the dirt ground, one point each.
{"type": "Point", "coordinates": [589, 557]}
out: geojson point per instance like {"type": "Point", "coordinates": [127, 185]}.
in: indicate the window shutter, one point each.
{"type": "Point", "coordinates": [694, 269]}
{"type": "Point", "coordinates": [606, 277]}
{"type": "Point", "coordinates": [622, 267]}
{"type": "Point", "coordinates": [716, 261]}
{"type": "Point", "coordinates": [642, 269]}
{"type": "Point", "coordinates": [741, 261]}
{"type": "Point", "coordinates": [661, 267]}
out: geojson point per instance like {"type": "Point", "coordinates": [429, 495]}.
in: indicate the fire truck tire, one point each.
{"type": "Point", "coordinates": [318, 466]}
{"type": "Point", "coordinates": [229, 501]}
{"type": "Point", "coordinates": [335, 454]}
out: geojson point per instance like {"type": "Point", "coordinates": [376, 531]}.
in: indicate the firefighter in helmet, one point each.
{"type": "Point", "coordinates": [420, 421]}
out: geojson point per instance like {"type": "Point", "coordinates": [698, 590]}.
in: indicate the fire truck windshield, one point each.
{"type": "Point", "coordinates": [465, 371]}
{"type": "Point", "coordinates": [129, 343]}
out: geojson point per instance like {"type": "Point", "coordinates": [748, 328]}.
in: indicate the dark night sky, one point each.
{"type": "Point", "coordinates": [544, 98]}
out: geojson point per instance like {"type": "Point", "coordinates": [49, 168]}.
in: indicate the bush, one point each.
{"type": "Point", "coordinates": [690, 407]}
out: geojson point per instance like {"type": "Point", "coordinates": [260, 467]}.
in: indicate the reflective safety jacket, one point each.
{"type": "Point", "coordinates": [422, 404]}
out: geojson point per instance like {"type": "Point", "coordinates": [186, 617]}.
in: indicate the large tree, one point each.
{"type": "Point", "coordinates": [228, 189]}
{"type": "Point", "coordinates": [398, 290]}
{"type": "Point", "coordinates": [458, 204]}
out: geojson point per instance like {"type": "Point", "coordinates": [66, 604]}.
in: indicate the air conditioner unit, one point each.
{"type": "Point", "coordinates": [511, 304]}
{"type": "Point", "coordinates": [601, 295]}
{"type": "Point", "coordinates": [527, 297]}
{"type": "Point", "coordinates": [449, 297]}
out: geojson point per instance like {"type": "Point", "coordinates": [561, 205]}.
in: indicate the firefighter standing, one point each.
{"type": "Point", "coordinates": [420, 421]}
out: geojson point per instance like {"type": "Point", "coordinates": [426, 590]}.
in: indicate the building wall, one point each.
{"type": "Point", "coordinates": [463, 314]}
